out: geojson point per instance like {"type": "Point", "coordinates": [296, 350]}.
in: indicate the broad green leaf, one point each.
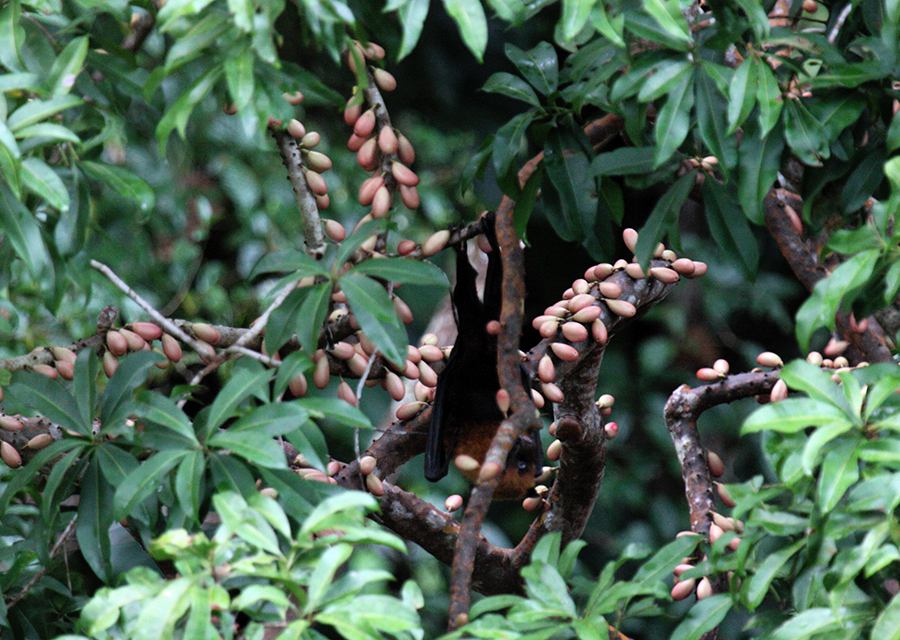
{"type": "Point", "coordinates": [23, 233]}
{"type": "Point", "coordinates": [243, 384]}
{"type": "Point", "coordinates": [758, 585]}
{"type": "Point", "coordinates": [158, 615]}
{"type": "Point", "coordinates": [337, 410]}
{"type": "Point", "coordinates": [12, 35]}
{"type": "Point", "coordinates": [58, 474]}
{"type": "Point", "coordinates": [575, 14]}
{"type": "Point", "coordinates": [568, 170]}
{"type": "Point", "coordinates": [199, 620]}
{"type": "Point", "coordinates": [256, 448]}
{"type": "Point", "coordinates": [115, 462]}
{"type": "Point", "coordinates": [469, 17]}
{"type": "Point", "coordinates": [404, 270]}
{"type": "Point", "coordinates": [667, 13]}
{"type": "Point", "coordinates": [122, 181]}
{"type": "Point", "coordinates": [818, 439]}
{"type": "Point", "coordinates": [192, 44]}
{"type": "Point", "coordinates": [286, 262]}
{"type": "Point", "coordinates": [171, 11]}
{"type": "Point", "coordinates": [272, 420]}
{"type": "Point", "coordinates": [756, 14]}
{"type": "Point", "coordinates": [94, 520]}
{"type": "Point", "coordinates": [804, 135]}
{"type": "Point", "coordinates": [840, 471]}
{"type": "Point", "coordinates": [49, 398]}
{"type": "Point", "coordinates": [38, 110]}
{"type": "Point", "coordinates": [244, 522]}
{"type": "Point", "coordinates": [511, 86]}
{"type": "Point", "coordinates": [611, 28]}
{"type": "Point", "coordinates": [704, 616]}
{"type": "Point", "coordinates": [792, 415]}
{"type": "Point", "coordinates": [242, 12]}
{"type": "Point", "coordinates": [43, 182]}
{"type": "Point", "coordinates": [271, 511]}
{"type": "Point", "coordinates": [67, 66]}
{"type": "Point", "coordinates": [728, 225]}
{"type": "Point", "coordinates": [674, 120]}
{"type": "Point", "coordinates": [663, 78]}
{"type": "Point", "coordinates": [809, 623]}
{"type": "Point", "coordinates": [741, 94]}
{"type": "Point", "coordinates": [887, 624]}
{"type": "Point", "coordinates": [312, 316]}
{"type": "Point", "coordinates": [663, 561]}
{"type": "Point", "coordinates": [144, 480]}
{"type": "Point", "coordinates": [509, 140]}
{"type": "Point", "coordinates": [161, 410]}
{"type": "Point", "coordinates": [48, 130]}
{"type": "Point", "coordinates": [178, 113]}
{"type": "Point", "coordinates": [664, 215]}
{"type": "Point", "coordinates": [323, 574]}
{"type": "Point", "coordinates": [189, 483]}
{"type": "Point", "coordinates": [625, 161]}
{"type": "Point", "coordinates": [538, 65]}
{"type": "Point", "coordinates": [239, 76]}
{"type": "Point", "coordinates": [768, 96]}
{"type": "Point", "coordinates": [284, 320]}
{"type": "Point", "coordinates": [8, 140]}
{"type": "Point", "coordinates": [412, 16]}
{"type": "Point", "coordinates": [893, 138]}
{"type": "Point", "coordinates": [115, 404]}
{"type": "Point", "coordinates": [23, 476]}
{"type": "Point", "coordinates": [256, 593]}
{"type": "Point", "coordinates": [354, 501]}
{"type": "Point", "coordinates": [84, 386]}
{"type": "Point", "coordinates": [759, 162]}
{"type": "Point", "coordinates": [863, 181]}
{"type": "Point", "coordinates": [373, 308]}
{"type": "Point", "coordinates": [800, 375]}
{"type": "Point", "coordinates": [711, 111]}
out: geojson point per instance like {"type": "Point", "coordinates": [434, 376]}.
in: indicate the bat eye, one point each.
{"type": "Point", "coordinates": [522, 466]}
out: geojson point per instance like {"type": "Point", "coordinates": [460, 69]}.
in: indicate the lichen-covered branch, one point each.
{"type": "Point", "coordinates": [313, 234]}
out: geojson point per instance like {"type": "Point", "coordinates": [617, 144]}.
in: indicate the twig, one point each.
{"type": "Point", "coordinates": [259, 325]}
{"type": "Point", "coordinates": [839, 22]}
{"type": "Point", "coordinates": [141, 26]}
{"type": "Point", "coordinates": [313, 234]}
{"type": "Point", "coordinates": [43, 570]}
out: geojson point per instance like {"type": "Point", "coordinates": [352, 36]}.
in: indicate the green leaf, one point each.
{"type": "Point", "coordinates": [144, 480]}
{"type": "Point", "coordinates": [759, 21]}
{"type": "Point", "coordinates": [171, 11]}
{"type": "Point", "coordinates": [663, 561]}
{"type": "Point", "coordinates": [255, 593]}
{"type": "Point", "coordinates": [38, 110]}
{"type": "Point", "coordinates": [286, 262]}
{"type": "Point", "coordinates": [511, 86]}
{"type": "Point", "coordinates": [538, 65]}
{"type": "Point", "coordinates": [132, 372]}
{"type": "Point", "coordinates": [242, 12]}
{"type": "Point", "coordinates": [892, 141]}
{"type": "Point", "coordinates": [161, 410]}
{"type": "Point", "coordinates": [759, 163]}
{"type": "Point", "coordinates": [176, 116]}
{"type": "Point", "coordinates": [404, 270]}
{"type": "Point", "coordinates": [840, 471]}
{"type": "Point", "coordinates": [84, 386]}
{"type": "Point", "coordinates": [189, 483]}
{"type": "Point", "coordinates": [353, 242]}
{"type": "Point", "coordinates": [67, 66]}
{"type": "Point", "coordinates": [312, 316]}
{"type": "Point", "coordinates": [256, 448]}
{"type": "Point", "coordinates": [472, 23]}
{"type": "Point", "coordinates": [200, 618]}
{"type": "Point", "coordinates": [43, 182]}
{"type": "Point", "coordinates": [741, 94]}
{"type": "Point", "coordinates": [674, 120]}
{"type": "Point", "coordinates": [625, 161]}
{"type": "Point", "coordinates": [704, 616]}
{"type": "Point", "coordinates": [371, 305]}
{"type": "Point", "coordinates": [792, 415]}
{"type": "Point", "coordinates": [887, 624]}
{"type": "Point", "coordinates": [667, 15]}
{"type": "Point", "coordinates": [758, 585]}
{"type": "Point", "coordinates": [323, 574]}
{"type": "Point", "coordinates": [575, 14]}
{"type": "Point", "coordinates": [509, 140]}
{"type": "Point", "coordinates": [819, 438]}
{"type": "Point", "coordinates": [664, 215]}
{"type": "Point", "coordinates": [246, 523]}
{"type": "Point", "coordinates": [804, 135]}
{"type": "Point", "coordinates": [94, 520]}
{"type": "Point", "coordinates": [711, 111]}
{"type": "Point", "coordinates": [23, 233]}
{"type": "Point", "coordinates": [412, 16]}
{"type": "Point", "coordinates": [863, 181]}
{"type": "Point", "coordinates": [336, 410]}
{"type": "Point", "coordinates": [272, 420]}
{"type": "Point", "coordinates": [158, 615]}
{"type": "Point", "coordinates": [809, 623]}
{"type": "Point", "coordinates": [49, 131]}
{"type": "Point", "coordinates": [728, 225]}
{"type": "Point", "coordinates": [610, 28]}
{"type": "Point", "coordinates": [193, 43]}
{"type": "Point", "coordinates": [243, 384]}
{"type": "Point", "coordinates": [284, 320]}
{"type": "Point", "coordinates": [800, 375]}
{"type": "Point", "coordinates": [356, 502]}
{"type": "Point", "coordinates": [768, 95]}
{"type": "Point", "coordinates": [663, 77]}
{"type": "Point", "coordinates": [50, 398]}
{"type": "Point", "coordinates": [568, 170]}
{"type": "Point", "coordinates": [123, 182]}
{"type": "Point", "coordinates": [239, 76]}
{"type": "Point", "coordinates": [24, 475]}
{"type": "Point", "coordinates": [57, 476]}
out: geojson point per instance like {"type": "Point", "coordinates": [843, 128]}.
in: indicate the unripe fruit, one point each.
{"type": "Point", "coordinates": [110, 364]}
{"type": "Point", "coordinates": [352, 112]}
{"type": "Point", "coordinates": [708, 374]}
{"type": "Point", "coordinates": [335, 230]}
{"type": "Point", "coordinates": [605, 401]}
{"type": "Point", "coordinates": [611, 429]}
{"type": "Point", "coordinates": [365, 125]}
{"type": "Point", "coordinates": [464, 462]}
{"type": "Point", "coordinates": [206, 332]}
{"type": "Point", "coordinates": [721, 365]}
{"type": "Point", "coordinates": [403, 311]}
{"type": "Point", "coordinates": [769, 359]}
{"type": "Point", "coordinates": [427, 376]}
{"type": "Point", "coordinates": [684, 266]}
{"type": "Point", "coordinates": [715, 464]}
{"type": "Point", "coordinates": [39, 441]}
{"type": "Point", "coordinates": [704, 589]}
{"type": "Point", "coordinates": [384, 80]}
{"type": "Point", "coordinates": [435, 243]}
{"type": "Point", "coordinates": [318, 162]}
{"type": "Point", "coordinates": [633, 269]}
{"type": "Point", "coordinates": [387, 140]}
{"type": "Point", "coordinates": [298, 385]}
{"type": "Point", "coordinates": [64, 354]}
{"type": "Point", "coordinates": [147, 330]}
{"type": "Point", "coordinates": [574, 332]}
{"type": "Point", "coordinates": [683, 589]}
{"type": "Point", "coordinates": [557, 310]}
{"type": "Point", "coordinates": [453, 503]}
{"type": "Point", "coordinates": [381, 203]}
{"type": "Point", "coordinates": [316, 183]}
{"type": "Point", "coordinates": [9, 423]}
{"type": "Point", "coordinates": [321, 373]}
{"type": "Point", "coordinates": [367, 465]}
{"type": "Point", "coordinates": [682, 568]}
{"type": "Point", "coordinates": [345, 393]}
{"type": "Point", "coordinates": [502, 398]}
{"type": "Point", "coordinates": [409, 410]}
{"type": "Point", "coordinates": [564, 352]}
{"type": "Point", "coordinates": [206, 351]}
{"type": "Point", "coordinates": [65, 369]}
{"type": "Point", "coordinates": [410, 197]}
{"type": "Point", "coordinates": [537, 399]}
{"type": "Point", "coordinates": [116, 343]}
{"type": "Point", "coordinates": [394, 386]}
{"type": "Point", "coordinates": [9, 455]}
{"type": "Point", "coordinates": [715, 532]}
{"type": "Point", "coordinates": [810, 6]}
{"type": "Point", "coordinates": [724, 495]}
{"type": "Point", "coordinates": [431, 353]}
{"type": "Point", "coordinates": [546, 370]}
{"type": "Point", "coordinates": [779, 391]}
{"type": "Point", "coordinates": [630, 236]}
{"type": "Point", "coordinates": [405, 149]}
{"type": "Point", "coordinates": [621, 307]}
{"type": "Point", "coordinates": [322, 202]}
{"type": "Point", "coordinates": [403, 174]}
{"type": "Point", "coordinates": [664, 275]}
{"type": "Point", "coordinates": [489, 471]}
{"type": "Point", "coordinates": [815, 358]}
{"type": "Point", "coordinates": [835, 347]}
{"type": "Point", "coordinates": [699, 269]}
{"type": "Point", "coordinates": [358, 364]}
{"type": "Point", "coordinates": [422, 393]}
{"type": "Point", "coordinates": [354, 142]}
{"type": "Point", "coordinates": [552, 392]}
{"type": "Point", "coordinates": [374, 51]}
{"type": "Point", "coordinates": [581, 286]}
{"type": "Point", "coordinates": [532, 504]}
{"type": "Point", "coordinates": [609, 290]}
{"type": "Point", "coordinates": [587, 315]}
{"type": "Point", "coordinates": [296, 128]}
{"type": "Point", "coordinates": [580, 301]}
{"type": "Point", "coordinates": [367, 156]}
{"type": "Point", "coordinates": [368, 189]}
{"type": "Point", "coordinates": [311, 140]}
{"type": "Point", "coordinates": [599, 332]}
{"type": "Point", "coordinates": [603, 271]}
{"type": "Point", "coordinates": [343, 350]}
{"type": "Point", "coordinates": [135, 342]}
{"type": "Point", "coordinates": [554, 451]}
{"type": "Point", "coordinates": [411, 370]}
{"type": "Point", "coordinates": [406, 247]}
{"type": "Point", "coordinates": [45, 370]}
{"type": "Point", "coordinates": [374, 485]}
